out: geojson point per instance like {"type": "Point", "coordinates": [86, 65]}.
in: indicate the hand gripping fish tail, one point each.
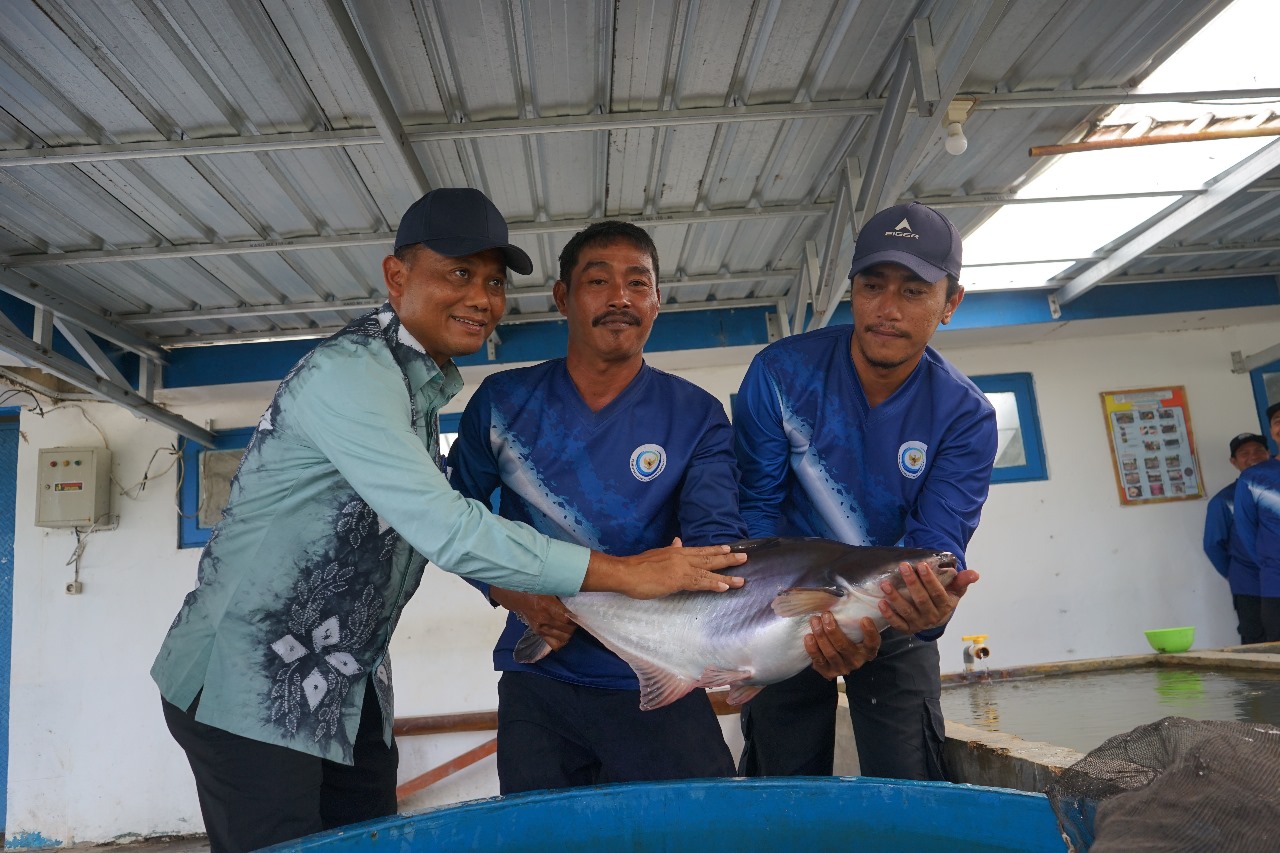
{"type": "Point", "coordinates": [745, 638]}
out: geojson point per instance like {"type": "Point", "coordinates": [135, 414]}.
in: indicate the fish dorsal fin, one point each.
{"type": "Point", "coordinates": [803, 600]}
{"type": "Point", "coordinates": [741, 694]}
{"type": "Point", "coordinates": [658, 687]}
{"type": "Point", "coordinates": [531, 648]}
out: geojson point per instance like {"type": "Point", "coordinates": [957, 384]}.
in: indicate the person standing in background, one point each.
{"type": "Point", "coordinates": [1223, 549]}
{"type": "Point", "coordinates": [1257, 528]}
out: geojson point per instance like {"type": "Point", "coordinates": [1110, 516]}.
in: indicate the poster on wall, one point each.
{"type": "Point", "coordinates": [1151, 445]}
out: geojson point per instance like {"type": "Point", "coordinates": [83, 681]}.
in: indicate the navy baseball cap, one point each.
{"type": "Point", "coordinates": [1271, 411]}
{"type": "Point", "coordinates": [918, 237]}
{"type": "Point", "coordinates": [1244, 438]}
{"type": "Point", "coordinates": [457, 221]}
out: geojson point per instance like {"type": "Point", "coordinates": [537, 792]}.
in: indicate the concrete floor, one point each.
{"type": "Point", "coordinates": [185, 844]}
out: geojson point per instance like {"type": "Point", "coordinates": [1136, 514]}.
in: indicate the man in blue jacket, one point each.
{"type": "Point", "coordinates": [1223, 549]}
{"type": "Point", "coordinates": [1257, 520]}
{"type": "Point", "coordinates": [865, 434]}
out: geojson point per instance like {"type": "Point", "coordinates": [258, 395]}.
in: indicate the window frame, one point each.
{"type": "Point", "coordinates": [190, 533]}
{"type": "Point", "coordinates": [1022, 386]}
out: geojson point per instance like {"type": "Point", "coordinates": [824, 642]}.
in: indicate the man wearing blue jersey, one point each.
{"type": "Point", "coordinates": [865, 434]}
{"type": "Point", "coordinates": [1222, 546]}
{"type": "Point", "coordinates": [600, 449]}
{"type": "Point", "coordinates": [1257, 521]}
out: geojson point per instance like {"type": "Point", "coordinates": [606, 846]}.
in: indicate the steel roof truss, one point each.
{"type": "Point", "coordinates": [43, 357]}
{"type": "Point", "coordinates": [1164, 225]}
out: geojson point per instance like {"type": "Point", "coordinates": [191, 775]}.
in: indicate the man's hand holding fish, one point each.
{"type": "Point", "coordinates": [662, 571]}
{"type": "Point", "coordinates": [832, 652]}
{"type": "Point", "coordinates": [927, 603]}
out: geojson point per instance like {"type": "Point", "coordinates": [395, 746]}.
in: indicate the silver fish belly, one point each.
{"type": "Point", "coordinates": [749, 637]}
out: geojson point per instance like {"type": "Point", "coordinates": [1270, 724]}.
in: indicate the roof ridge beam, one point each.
{"type": "Point", "coordinates": [445, 131]}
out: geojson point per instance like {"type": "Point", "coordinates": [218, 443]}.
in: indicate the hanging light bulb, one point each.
{"type": "Point", "coordinates": [955, 142]}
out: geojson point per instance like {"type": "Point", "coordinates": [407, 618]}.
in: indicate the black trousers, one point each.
{"type": "Point", "coordinates": [255, 794]}
{"type": "Point", "coordinates": [1270, 619]}
{"type": "Point", "coordinates": [1249, 618]}
{"type": "Point", "coordinates": [789, 727]}
{"type": "Point", "coordinates": [552, 734]}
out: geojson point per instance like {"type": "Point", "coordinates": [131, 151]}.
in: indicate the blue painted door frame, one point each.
{"type": "Point", "coordinates": [1260, 400]}
{"type": "Point", "coordinates": [8, 508]}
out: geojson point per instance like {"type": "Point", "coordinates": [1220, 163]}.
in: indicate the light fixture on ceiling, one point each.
{"type": "Point", "coordinates": [958, 110]}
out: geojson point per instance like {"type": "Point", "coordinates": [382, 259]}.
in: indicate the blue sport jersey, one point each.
{"type": "Point", "coordinates": [1223, 547]}
{"type": "Point", "coordinates": [655, 463]}
{"type": "Point", "coordinates": [1258, 522]}
{"type": "Point", "coordinates": [816, 460]}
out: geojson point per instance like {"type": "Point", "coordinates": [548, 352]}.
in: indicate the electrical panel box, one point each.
{"type": "Point", "coordinates": [73, 486]}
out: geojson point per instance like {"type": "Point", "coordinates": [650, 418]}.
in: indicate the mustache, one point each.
{"type": "Point", "coordinates": [886, 328]}
{"type": "Point", "coordinates": [609, 316]}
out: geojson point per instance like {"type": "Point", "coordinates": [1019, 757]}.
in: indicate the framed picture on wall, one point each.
{"type": "Point", "coordinates": [1152, 448]}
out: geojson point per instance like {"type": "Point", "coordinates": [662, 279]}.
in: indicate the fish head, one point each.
{"type": "Point", "coordinates": [866, 568]}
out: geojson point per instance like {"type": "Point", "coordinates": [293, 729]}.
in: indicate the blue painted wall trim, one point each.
{"type": "Point", "coordinates": [216, 365]}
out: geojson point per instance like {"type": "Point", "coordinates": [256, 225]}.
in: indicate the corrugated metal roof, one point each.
{"type": "Point", "coordinates": [562, 111]}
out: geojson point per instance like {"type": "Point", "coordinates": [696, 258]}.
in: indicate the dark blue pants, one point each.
{"type": "Point", "coordinates": [789, 728]}
{"type": "Point", "coordinates": [552, 734]}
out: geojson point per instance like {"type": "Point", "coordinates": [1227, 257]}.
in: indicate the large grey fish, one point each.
{"type": "Point", "coordinates": [748, 637]}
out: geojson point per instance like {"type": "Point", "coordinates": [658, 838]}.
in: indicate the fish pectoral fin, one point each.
{"type": "Point", "coordinates": [715, 676]}
{"type": "Point", "coordinates": [531, 648]}
{"type": "Point", "coordinates": [803, 600]}
{"type": "Point", "coordinates": [659, 687]}
{"type": "Point", "coordinates": [741, 694]}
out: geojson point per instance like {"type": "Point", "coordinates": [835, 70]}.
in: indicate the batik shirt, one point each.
{"type": "Point", "coordinates": [1258, 522]}
{"type": "Point", "coordinates": [338, 497]}
{"type": "Point", "coordinates": [655, 463]}
{"type": "Point", "coordinates": [1222, 546]}
{"type": "Point", "coordinates": [817, 460]}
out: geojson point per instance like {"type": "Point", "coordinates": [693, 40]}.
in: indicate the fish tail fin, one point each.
{"type": "Point", "coordinates": [741, 694]}
{"type": "Point", "coordinates": [531, 648]}
{"type": "Point", "coordinates": [659, 687]}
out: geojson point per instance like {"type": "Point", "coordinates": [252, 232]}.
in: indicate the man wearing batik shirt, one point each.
{"type": "Point", "coordinates": [865, 434]}
{"type": "Point", "coordinates": [600, 449]}
{"type": "Point", "coordinates": [274, 675]}
{"type": "Point", "coordinates": [1257, 528]}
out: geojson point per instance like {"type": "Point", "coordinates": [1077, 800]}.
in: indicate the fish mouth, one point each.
{"type": "Point", "coordinates": [947, 560]}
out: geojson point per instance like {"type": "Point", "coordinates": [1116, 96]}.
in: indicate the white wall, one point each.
{"type": "Point", "coordinates": [1067, 573]}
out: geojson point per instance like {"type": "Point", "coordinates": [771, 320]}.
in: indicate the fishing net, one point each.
{"type": "Point", "coordinates": [1175, 785]}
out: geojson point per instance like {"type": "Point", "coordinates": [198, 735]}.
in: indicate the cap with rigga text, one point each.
{"type": "Point", "coordinates": [457, 221]}
{"type": "Point", "coordinates": [918, 237]}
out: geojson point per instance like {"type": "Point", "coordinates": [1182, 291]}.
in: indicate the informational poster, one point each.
{"type": "Point", "coordinates": [1151, 445]}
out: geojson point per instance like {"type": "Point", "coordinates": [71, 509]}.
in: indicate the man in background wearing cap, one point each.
{"type": "Point", "coordinates": [1223, 549]}
{"type": "Point", "coordinates": [865, 434]}
{"type": "Point", "coordinates": [275, 676]}
{"type": "Point", "coordinates": [1257, 529]}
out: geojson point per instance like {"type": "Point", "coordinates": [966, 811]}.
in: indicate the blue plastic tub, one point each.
{"type": "Point", "coordinates": [724, 814]}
